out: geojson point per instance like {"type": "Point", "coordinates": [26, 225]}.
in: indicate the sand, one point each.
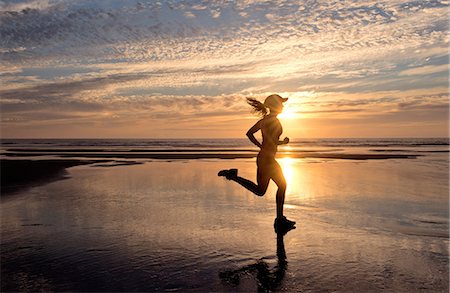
{"type": "Point", "coordinates": [362, 225]}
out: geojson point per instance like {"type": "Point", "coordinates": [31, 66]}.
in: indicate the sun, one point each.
{"type": "Point", "coordinates": [288, 113]}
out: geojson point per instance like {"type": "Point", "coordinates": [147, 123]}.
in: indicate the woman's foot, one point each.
{"type": "Point", "coordinates": [229, 174]}
{"type": "Point", "coordinates": [283, 225]}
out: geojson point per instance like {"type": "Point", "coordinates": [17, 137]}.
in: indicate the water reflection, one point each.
{"type": "Point", "coordinates": [295, 178]}
{"type": "Point", "coordinates": [267, 279]}
{"type": "Point", "coordinates": [287, 164]}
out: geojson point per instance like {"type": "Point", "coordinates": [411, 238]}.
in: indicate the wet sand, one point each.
{"type": "Point", "coordinates": [371, 225]}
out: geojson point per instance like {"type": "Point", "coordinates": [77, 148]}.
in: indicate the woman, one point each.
{"type": "Point", "coordinates": [268, 167]}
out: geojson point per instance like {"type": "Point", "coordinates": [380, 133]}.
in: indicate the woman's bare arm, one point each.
{"type": "Point", "coordinates": [285, 141]}
{"type": "Point", "coordinates": [251, 131]}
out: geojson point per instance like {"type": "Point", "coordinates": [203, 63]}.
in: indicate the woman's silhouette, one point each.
{"type": "Point", "coordinates": [268, 167]}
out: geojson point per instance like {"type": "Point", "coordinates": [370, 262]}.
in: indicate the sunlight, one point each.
{"type": "Point", "coordinates": [295, 178]}
{"type": "Point", "coordinates": [292, 108]}
{"type": "Point", "coordinates": [288, 168]}
{"type": "Point", "coordinates": [288, 113]}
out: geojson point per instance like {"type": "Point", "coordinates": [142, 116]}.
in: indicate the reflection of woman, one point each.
{"type": "Point", "coordinates": [268, 279]}
{"type": "Point", "coordinates": [268, 167]}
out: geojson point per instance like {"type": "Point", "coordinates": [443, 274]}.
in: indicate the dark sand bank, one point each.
{"type": "Point", "coordinates": [21, 174]}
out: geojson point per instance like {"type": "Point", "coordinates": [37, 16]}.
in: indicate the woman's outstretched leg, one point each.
{"type": "Point", "coordinates": [258, 189]}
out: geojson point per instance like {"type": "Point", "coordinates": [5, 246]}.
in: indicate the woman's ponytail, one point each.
{"type": "Point", "coordinates": [257, 106]}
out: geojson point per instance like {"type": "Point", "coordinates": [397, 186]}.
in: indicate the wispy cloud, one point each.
{"type": "Point", "coordinates": [427, 69]}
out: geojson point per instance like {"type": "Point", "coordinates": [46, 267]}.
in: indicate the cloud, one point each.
{"type": "Point", "coordinates": [189, 14]}
{"type": "Point", "coordinates": [425, 102]}
{"type": "Point", "coordinates": [155, 31]}
{"type": "Point", "coordinates": [215, 13]}
{"type": "Point", "coordinates": [357, 57]}
{"type": "Point", "coordinates": [65, 88]}
{"type": "Point", "coordinates": [24, 5]}
{"type": "Point", "coordinates": [427, 69]}
{"type": "Point", "coordinates": [332, 111]}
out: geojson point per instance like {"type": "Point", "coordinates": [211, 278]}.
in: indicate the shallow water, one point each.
{"type": "Point", "coordinates": [176, 226]}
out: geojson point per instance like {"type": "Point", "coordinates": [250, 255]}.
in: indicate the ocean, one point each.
{"type": "Point", "coordinates": [223, 143]}
{"type": "Point", "coordinates": [142, 148]}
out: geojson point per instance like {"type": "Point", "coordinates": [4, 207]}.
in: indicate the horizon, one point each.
{"type": "Point", "coordinates": [172, 69]}
{"type": "Point", "coordinates": [216, 138]}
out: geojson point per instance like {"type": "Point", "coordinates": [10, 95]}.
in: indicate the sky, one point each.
{"type": "Point", "coordinates": [183, 69]}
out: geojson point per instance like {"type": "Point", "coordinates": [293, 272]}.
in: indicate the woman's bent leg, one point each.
{"type": "Point", "coordinates": [280, 201]}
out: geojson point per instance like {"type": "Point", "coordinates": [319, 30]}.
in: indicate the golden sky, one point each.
{"type": "Point", "coordinates": [168, 69]}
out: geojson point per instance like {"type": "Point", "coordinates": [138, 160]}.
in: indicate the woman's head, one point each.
{"type": "Point", "coordinates": [273, 102]}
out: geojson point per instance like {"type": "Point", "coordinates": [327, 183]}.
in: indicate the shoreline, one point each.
{"type": "Point", "coordinates": [214, 155]}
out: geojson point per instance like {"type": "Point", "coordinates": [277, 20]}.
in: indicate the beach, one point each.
{"type": "Point", "coordinates": [121, 220]}
{"type": "Point", "coordinates": [224, 146]}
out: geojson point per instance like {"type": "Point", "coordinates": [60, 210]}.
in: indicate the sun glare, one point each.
{"type": "Point", "coordinates": [288, 113]}
{"type": "Point", "coordinates": [292, 108]}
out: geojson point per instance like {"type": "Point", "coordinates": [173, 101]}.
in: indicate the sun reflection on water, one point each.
{"type": "Point", "coordinates": [297, 180]}
{"type": "Point", "coordinates": [291, 173]}
{"type": "Point", "coordinates": [286, 164]}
